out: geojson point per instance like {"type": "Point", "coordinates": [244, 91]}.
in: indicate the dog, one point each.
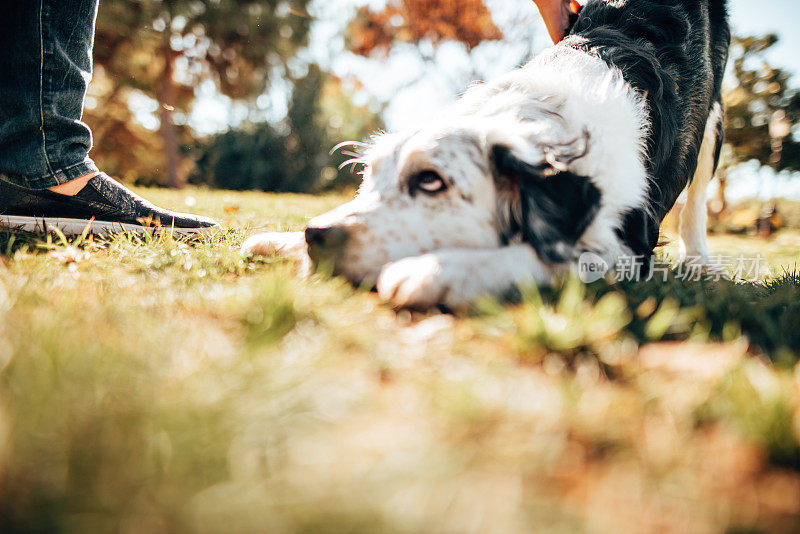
{"type": "Point", "coordinates": [584, 149]}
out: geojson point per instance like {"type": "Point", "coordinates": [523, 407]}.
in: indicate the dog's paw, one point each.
{"type": "Point", "coordinates": [412, 282]}
{"type": "Point", "coordinates": [429, 280]}
{"type": "Point", "coordinates": [290, 244]}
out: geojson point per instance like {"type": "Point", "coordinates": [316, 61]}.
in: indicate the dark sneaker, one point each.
{"type": "Point", "coordinates": [113, 207]}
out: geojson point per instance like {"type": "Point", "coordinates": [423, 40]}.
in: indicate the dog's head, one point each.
{"type": "Point", "coordinates": [476, 182]}
{"type": "Point", "coordinates": [529, 159]}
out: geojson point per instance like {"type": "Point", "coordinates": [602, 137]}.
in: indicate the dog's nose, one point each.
{"type": "Point", "coordinates": [326, 237]}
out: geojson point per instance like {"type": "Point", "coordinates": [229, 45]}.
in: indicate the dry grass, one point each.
{"type": "Point", "coordinates": [159, 386]}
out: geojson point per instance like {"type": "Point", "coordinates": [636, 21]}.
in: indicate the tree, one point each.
{"type": "Point", "coordinates": [294, 155]}
{"type": "Point", "coordinates": [759, 91]}
{"type": "Point", "coordinates": [411, 21]}
{"type": "Point", "coordinates": [166, 48]}
{"type": "Point", "coordinates": [755, 93]}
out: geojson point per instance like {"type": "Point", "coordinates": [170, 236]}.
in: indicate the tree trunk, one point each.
{"type": "Point", "coordinates": [167, 95]}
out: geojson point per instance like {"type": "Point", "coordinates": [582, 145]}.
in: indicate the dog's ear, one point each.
{"type": "Point", "coordinates": [552, 207]}
{"type": "Point", "coordinates": [639, 231]}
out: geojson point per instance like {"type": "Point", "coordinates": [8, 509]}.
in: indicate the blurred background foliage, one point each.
{"type": "Point", "coordinates": [412, 21]}
{"type": "Point", "coordinates": [755, 92]}
{"type": "Point", "coordinates": [160, 55]}
{"type": "Point", "coordinates": [161, 52]}
{"type": "Point", "coordinates": [164, 50]}
{"type": "Point", "coordinates": [293, 156]}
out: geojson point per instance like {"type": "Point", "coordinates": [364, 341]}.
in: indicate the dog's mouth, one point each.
{"type": "Point", "coordinates": [363, 282]}
{"type": "Point", "coordinates": [326, 249]}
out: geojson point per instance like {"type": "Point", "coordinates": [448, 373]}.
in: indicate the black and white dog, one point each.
{"type": "Point", "coordinates": [585, 149]}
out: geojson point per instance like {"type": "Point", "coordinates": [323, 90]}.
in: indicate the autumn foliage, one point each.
{"type": "Point", "coordinates": [410, 21]}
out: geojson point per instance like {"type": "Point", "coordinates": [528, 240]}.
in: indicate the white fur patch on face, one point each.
{"type": "Point", "coordinates": [391, 218]}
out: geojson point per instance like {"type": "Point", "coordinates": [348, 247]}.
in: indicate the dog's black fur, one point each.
{"type": "Point", "coordinates": [556, 207]}
{"type": "Point", "coordinates": [673, 52]}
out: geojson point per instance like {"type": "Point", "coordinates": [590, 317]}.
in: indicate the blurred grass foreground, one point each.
{"type": "Point", "coordinates": [153, 386]}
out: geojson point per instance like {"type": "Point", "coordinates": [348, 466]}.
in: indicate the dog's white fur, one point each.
{"type": "Point", "coordinates": [694, 216]}
{"type": "Point", "coordinates": [446, 249]}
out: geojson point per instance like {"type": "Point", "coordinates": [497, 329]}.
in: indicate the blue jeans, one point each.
{"type": "Point", "coordinates": [45, 67]}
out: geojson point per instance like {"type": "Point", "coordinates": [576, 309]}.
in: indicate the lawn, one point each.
{"type": "Point", "coordinates": [151, 386]}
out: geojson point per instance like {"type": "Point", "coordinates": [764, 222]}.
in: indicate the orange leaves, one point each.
{"type": "Point", "coordinates": [410, 21]}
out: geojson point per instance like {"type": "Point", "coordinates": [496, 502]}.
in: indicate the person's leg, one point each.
{"type": "Point", "coordinates": [46, 65]}
{"type": "Point", "coordinates": [46, 176]}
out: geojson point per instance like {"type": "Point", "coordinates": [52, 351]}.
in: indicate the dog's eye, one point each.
{"type": "Point", "coordinates": [429, 182]}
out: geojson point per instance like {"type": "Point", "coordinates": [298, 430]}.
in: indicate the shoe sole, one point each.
{"type": "Point", "coordinates": [73, 227]}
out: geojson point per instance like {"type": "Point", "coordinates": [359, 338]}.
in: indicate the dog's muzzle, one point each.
{"type": "Point", "coordinates": [326, 243]}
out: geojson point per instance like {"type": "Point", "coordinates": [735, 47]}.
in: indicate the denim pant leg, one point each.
{"type": "Point", "coordinates": [45, 68]}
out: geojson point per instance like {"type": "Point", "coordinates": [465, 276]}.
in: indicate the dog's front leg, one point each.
{"type": "Point", "coordinates": [457, 277]}
{"type": "Point", "coordinates": [289, 244]}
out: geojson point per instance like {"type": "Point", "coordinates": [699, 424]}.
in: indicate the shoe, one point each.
{"type": "Point", "coordinates": [113, 208]}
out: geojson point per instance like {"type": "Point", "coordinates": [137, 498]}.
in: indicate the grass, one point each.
{"type": "Point", "coordinates": [162, 386]}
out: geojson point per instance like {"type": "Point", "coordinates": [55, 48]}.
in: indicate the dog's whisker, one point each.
{"type": "Point", "coordinates": [347, 143]}
{"type": "Point", "coordinates": [352, 161]}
